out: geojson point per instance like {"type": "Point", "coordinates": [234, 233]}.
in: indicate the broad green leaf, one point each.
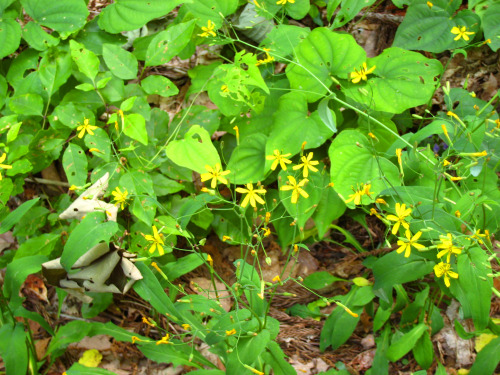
{"type": "Point", "coordinates": [62, 16]}
{"type": "Point", "coordinates": [251, 24]}
{"type": "Point", "coordinates": [88, 233]}
{"type": "Point", "coordinates": [144, 208]}
{"type": "Point", "coordinates": [327, 115]}
{"type": "Point", "coordinates": [163, 186]}
{"type": "Point", "coordinates": [297, 9]}
{"type": "Point", "coordinates": [246, 352]}
{"type": "Point", "coordinates": [100, 141]}
{"type": "Point", "coordinates": [349, 9]}
{"type": "Point", "coordinates": [330, 207]}
{"type": "Point", "coordinates": [401, 80]}
{"type": "Point", "coordinates": [473, 286]}
{"type": "Point", "coordinates": [167, 354]}
{"type": "Point", "coordinates": [6, 187]}
{"type": "Point", "coordinates": [13, 348]}
{"type": "Point", "coordinates": [429, 29]}
{"type": "Point", "coordinates": [321, 55]}
{"type": "Point", "coordinates": [354, 163]}
{"type": "Point", "coordinates": [79, 369]}
{"type": "Point", "coordinates": [40, 245]}
{"type": "Point", "coordinates": [27, 104]}
{"type": "Point", "coordinates": [487, 359]}
{"type": "Point", "coordinates": [73, 331]}
{"type": "Point", "coordinates": [283, 39]}
{"type": "Point", "coordinates": [394, 268]}
{"type": "Point", "coordinates": [120, 62]}
{"type": "Point", "coordinates": [195, 151]}
{"type": "Point", "coordinates": [406, 343]}
{"type": "Point", "coordinates": [13, 132]}
{"type": "Point", "coordinates": [305, 207]}
{"type": "Point", "coordinates": [491, 26]}
{"type": "Point", "coordinates": [135, 128]}
{"type": "Point", "coordinates": [3, 95]}
{"type": "Point", "coordinates": [37, 37]}
{"type": "Point", "coordinates": [247, 160]}
{"type": "Point", "coordinates": [159, 85]}
{"type": "Point", "coordinates": [17, 271]}
{"type": "Point", "coordinates": [54, 69]}
{"type": "Point", "coordinates": [210, 11]}
{"type": "Point", "coordinates": [15, 216]}
{"type": "Point", "coordinates": [320, 280]}
{"type": "Point", "coordinates": [200, 75]}
{"type": "Point", "coordinates": [169, 43]}
{"type": "Point", "coordinates": [86, 60]}
{"type": "Point", "coordinates": [75, 165]}
{"type": "Point", "coordinates": [137, 183]}
{"type": "Point", "coordinates": [4, 4]}
{"type": "Point", "coordinates": [72, 115]}
{"type": "Point", "coordinates": [94, 38]}
{"type": "Point", "coordinates": [423, 351]}
{"type": "Point", "coordinates": [293, 125]}
{"type": "Point", "coordinates": [127, 15]}
{"type": "Point", "coordinates": [10, 36]}
{"type": "Point", "coordinates": [209, 119]}
{"type": "Point", "coordinates": [100, 302]}
{"type": "Point", "coordinates": [183, 265]}
{"type": "Point", "coordinates": [275, 357]}
{"type": "Point", "coordinates": [150, 290]}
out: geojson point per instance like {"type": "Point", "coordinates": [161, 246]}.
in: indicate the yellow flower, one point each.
{"type": "Point", "coordinates": [226, 238]}
{"type": "Point", "coordinates": [447, 247]}
{"type": "Point", "coordinates": [231, 332]}
{"type": "Point", "coordinates": [280, 159]}
{"type": "Point", "coordinates": [398, 154]}
{"type": "Point", "coordinates": [366, 190]}
{"type": "Point", "coordinates": [135, 338]}
{"type": "Point", "coordinates": [120, 197]}
{"type": "Point", "coordinates": [251, 195]}
{"type": "Point", "coordinates": [361, 74]}
{"type": "Point", "coordinates": [164, 340]}
{"type": "Point", "coordinates": [209, 30]}
{"type": "Point", "coordinates": [210, 260]}
{"type": "Point", "coordinates": [267, 232]}
{"type": "Point", "coordinates": [441, 269]}
{"type": "Point", "coordinates": [374, 212]}
{"type": "Point", "coordinates": [430, 5]}
{"type": "Point", "coordinates": [157, 241]}
{"type": "Point", "coordinates": [461, 32]}
{"type": "Point", "coordinates": [186, 327]}
{"type": "Point", "coordinates": [401, 213]}
{"type": "Point", "coordinates": [381, 201]}
{"type": "Point", "coordinates": [268, 58]}
{"type": "Point", "coordinates": [215, 174]}
{"type": "Point", "coordinates": [268, 217]}
{"type": "Point", "coordinates": [454, 115]}
{"type": "Point", "coordinates": [477, 235]}
{"type": "Point", "coordinates": [73, 187]}
{"type": "Point", "coordinates": [458, 214]}
{"type": "Point", "coordinates": [408, 243]}
{"type": "Point", "coordinates": [358, 194]}
{"type": "Point", "coordinates": [86, 127]}
{"type": "Point", "coordinates": [283, 2]}
{"type": "Point", "coordinates": [307, 164]}
{"type": "Point", "coordinates": [276, 279]}
{"type": "Point", "coordinates": [296, 188]}
{"type": "Point", "coordinates": [237, 130]}
{"type": "Point", "coordinates": [446, 163]}
{"type": "Point", "coordinates": [4, 166]}
{"type": "Point", "coordinates": [487, 41]}
{"type": "Point", "coordinates": [224, 88]}
{"type": "Point", "coordinates": [148, 321]}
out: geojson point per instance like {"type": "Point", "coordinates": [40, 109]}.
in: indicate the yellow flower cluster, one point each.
{"type": "Point", "coordinates": [357, 196]}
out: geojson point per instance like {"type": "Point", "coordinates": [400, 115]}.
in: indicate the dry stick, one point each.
{"type": "Point", "coordinates": [47, 182]}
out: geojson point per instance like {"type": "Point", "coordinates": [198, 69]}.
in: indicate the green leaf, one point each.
{"type": "Point", "coordinates": [120, 62]}
{"type": "Point", "coordinates": [321, 55]}
{"type": "Point", "coordinates": [487, 359]}
{"type": "Point", "coordinates": [75, 165]}
{"type": "Point", "coordinates": [473, 287]}
{"type": "Point", "coordinates": [144, 208]}
{"type": "Point", "coordinates": [305, 207]}
{"type": "Point", "coordinates": [100, 302]}
{"type": "Point", "coordinates": [94, 38]}
{"type": "Point", "coordinates": [423, 351]}
{"type": "Point", "coordinates": [10, 36]}
{"type": "Point", "coordinates": [248, 159]}
{"type": "Point", "coordinates": [41, 245]}
{"type": "Point", "coordinates": [211, 11]}
{"type": "Point", "coordinates": [15, 216]}
{"type": "Point", "coordinates": [283, 39]}
{"type": "Point", "coordinates": [135, 128]}
{"type": "Point", "coordinates": [320, 280]}
{"type": "Point", "coordinates": [88, 233]}
{"type": "Point", "coordinates": [27, 104]}
{"type": "Point", "coordinates": [159, 85]}
{"type": "Point", "coordinates": [491, 26]}
{"type": "Point", "coordinates": [78, 369]}
{"type": "Point", "coordinates": [195, 151]}
{"type": "Point", "coordinates": [354, 163]}
{"type": "Point", "coordinates": [100, 141]}
{"type": "Point", "coordinates": [13, 348]}
{"type": "Point", "coordinates": [150, 290]}
{"type": "Point", "coordinates": [127, 15]}
{"type": "Point", "coordinates": [86, 60]}
{"type": "Point", "coordinates": [275, 357]}
{"type": "Point", "coordinates": [406, 343]}
{"type": "Point", "coordinates": [169, 43]}
{"type": "Point", "coordinates": [73, 331]}
{"type": "Point", "coordinates": [394, 268]}
{"type": "Point", "coordinates": [37, 37]}
{"type": "Point", "coordinates": [137, 183]}
{"type": "Point", "coordinates": [327, 115]}
{"type": "Point", "coordinates": [6, 187]}
{"type": "Point", "coordinates": [429, 29]}
{"type": "Point", "coordinates": [293, 125]}
{"type": "Point", "coordinates": [163, 186]}
{"type": "Point", "coordinates": [246, 352]}
{"type": "Point", "coordinates": [401, 80]}
{"type": "Point", "coordinates": [349, 9]}
{"type": "Point", "coordinates": [298, 9]}
{"type": "Point", "coordinates": [62, 16]}
{"type": "Point", "coordinates": [17, 271]}
{"type": "Point", "coordinates": [54, 69]}
{"type": "Point", "coordinates": [330, 207]}
{"type": "Point", "coordinates": [167, 354]}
